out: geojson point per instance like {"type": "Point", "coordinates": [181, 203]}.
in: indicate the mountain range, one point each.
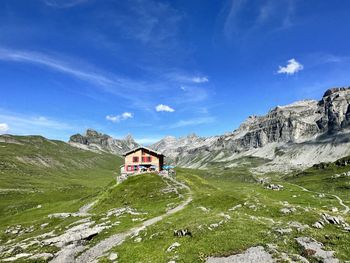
{"type": "Point", "coordinates": [293, 136]}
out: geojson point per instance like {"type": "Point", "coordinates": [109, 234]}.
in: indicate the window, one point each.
{"type": "Point", "coordinates": [136, 167]}
{"type": "Point", "coordinates": [129, 168]}
{"type": "Point", "coordinates": [147, 159]}
{"type": "Point", "coordinates": [135, 159]}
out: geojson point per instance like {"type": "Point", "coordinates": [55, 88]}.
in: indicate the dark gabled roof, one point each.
{"type": "Point", "coordinates": [142, 147]}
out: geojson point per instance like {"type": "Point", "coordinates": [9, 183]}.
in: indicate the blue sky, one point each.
{"type": "Point", "coordinates": [157, 68]}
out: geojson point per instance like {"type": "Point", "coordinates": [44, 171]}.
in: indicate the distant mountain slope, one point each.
{"type": "Point", "coordinates": [292, 136]}
{"type": "Point", "coordinates": [98, 142]}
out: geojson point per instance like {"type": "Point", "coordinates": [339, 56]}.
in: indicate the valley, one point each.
{"type": "Point", "coordinates": [274, 190]}
{"type": "Point", "coordinates": [227, 210]}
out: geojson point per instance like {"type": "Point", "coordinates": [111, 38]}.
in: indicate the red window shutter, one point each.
{"type": "Point", "coordinates": [135, 159]}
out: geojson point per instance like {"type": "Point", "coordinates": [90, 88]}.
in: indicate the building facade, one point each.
{"type": "Point", "coordinates": [142, 159]}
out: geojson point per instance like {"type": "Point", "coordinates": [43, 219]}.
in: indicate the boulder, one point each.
{"type": "Point", "coordinates": [313, 248]}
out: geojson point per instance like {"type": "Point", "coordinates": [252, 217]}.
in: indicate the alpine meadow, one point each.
{"type": "Point", "coordinates": [161, 131]}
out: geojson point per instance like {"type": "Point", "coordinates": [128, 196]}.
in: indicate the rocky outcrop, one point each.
{"type": "Point", "coordinates": [334, 108]}
{"type": "Point", "coordinates": [95, 141]}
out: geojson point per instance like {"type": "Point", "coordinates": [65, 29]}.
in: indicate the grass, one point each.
{"type": "Point", "coordinates": [35, 171]}
{"type": "Point", "coordinates": [250, 225]}
{"type": "Point", "coordinates": [50, 174]}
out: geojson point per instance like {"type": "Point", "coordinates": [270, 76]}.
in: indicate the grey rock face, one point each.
{"type": "Point", "coordinates": [335, 110]}
{"type": "Point", "coordinates": [305, 125]}
{"type": "Point", "coordinates": [315, 249]}
{"type": "Point", "coordinates": [93, 140]}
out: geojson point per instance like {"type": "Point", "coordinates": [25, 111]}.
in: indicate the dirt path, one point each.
{"type": "Point", "coordinates": [92, 254]}
{"type": "Point", "coordinates": [341, 202]}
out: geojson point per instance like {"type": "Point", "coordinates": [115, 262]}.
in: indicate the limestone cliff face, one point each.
{"type": "Point", "coordinates": [334, 108]}
{"type": "Point", "coordinates": [93, 140]}
{"type": "Point", "coordinates": [307, 125]}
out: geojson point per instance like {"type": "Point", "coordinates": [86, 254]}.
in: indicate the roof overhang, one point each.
{"type": "Point", "coordinates": [140, 148]}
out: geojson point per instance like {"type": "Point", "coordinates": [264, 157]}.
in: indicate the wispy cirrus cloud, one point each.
{"type": "Point", "coordinates": [268, 14]}
{"type": "Point", "coordinates": [291, 68]}
{"type": "Point", "coordinates": [29, 124]}
{"type": "Point", "coordinates": [121, 117]}
{"type": "Point", "coordinates": [55, 64]}
{"type": "Point", "coordinates": [185, 78]}
{"type": "Point", "coordinates": [64, 3]}
{"type": "Point", "coordinates": [192, 122]}
{"type": "Point", "coordinates": [200, 79]}
{"type": "Point", "coordinates": [106, 82]}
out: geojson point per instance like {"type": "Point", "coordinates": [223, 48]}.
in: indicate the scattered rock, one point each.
{"type": "Point", "coordinates": [113, 256]}
{"type": "Point", "coordinates": [252, 207]}
{"type": "Point", "coordinates": [76, 233]}
{"type": "Point", "coordinates": [298, 226]}
{"type": "Point", "coordinates": [334, 209]}
{"type": "Point", "coordinates": [226, 216]}
{"type": "Point", "coordinates": [251, 255]}
{"type": "Point", "coordinates": [44, 225]}
{"type": "Point", "coordinates": [60, 215]}
{"type": "Point", "coordinates": [39, 206]}
{"type": "Point", "coordinates": [18, 256]}
{"type": "Point", "coordinates": [123, 210]}
{"type": "Point", "coordinates": [333, 219]}
{"type": "Point", "coordinates": [287, 210]}
{"type": "Point", "coordinates": [318, 224]}
{"type": "Point", "coordinates": [173, 246]}
{"type": "Point", "coordinates": [138, 240]}
{"type": "Point", "coordinates": [235, 207]}
{"type": "Point", "coordinates": [42, 256]}
{"type": "Point", "coordinates": [203, 208]}
{"type": "Point", "coordinates": [284, 231]}
{"type": "Point", "coordinates": [313, 248]}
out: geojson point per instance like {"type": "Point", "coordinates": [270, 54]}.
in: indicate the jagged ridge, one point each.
{"type": "Point", "coordinates": [95, 141]}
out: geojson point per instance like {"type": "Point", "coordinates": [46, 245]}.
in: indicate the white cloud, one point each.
{"type": "Point", "coordinates": [291, 68]}
{"type": "Point", "coordinates": [121, 117]}
{"type": "Point", "coordinates": [63, 3]}
{"type": "Point", "coordinates": [200, 79]}
{"type": "Point", "coordinates": [4, 128]}
{"type": "Point", "coordinates": [162, 107]}
{"type": "Point", "coordinates": [192, 122]}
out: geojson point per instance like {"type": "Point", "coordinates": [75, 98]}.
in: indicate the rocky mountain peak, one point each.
{"type": "Point", "coordinates": [96, 141]}
{"type": "Point", "coordinates": [335, 90]}
{"type": "Point", "coordinates": [92, 133]}
{"type": "Point", "coordinates": [192, 136]}
{"type": "Point", "coordinates": [129, 138]}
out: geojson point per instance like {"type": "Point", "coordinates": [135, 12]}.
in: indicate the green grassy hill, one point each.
{"type": "Point", "coordinates": [35, 171]}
